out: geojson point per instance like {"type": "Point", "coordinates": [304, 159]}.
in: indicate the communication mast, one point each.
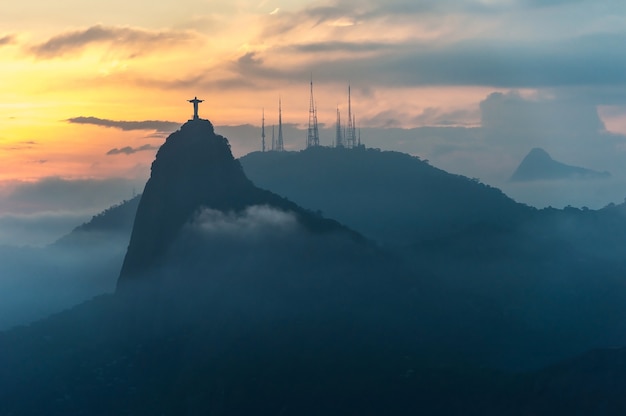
{"type": "Point", "coordinates": [280, 145]}
{"type": "Point", "coordinates": [263, 132]}
{"type": "Point", "coordinates": [312, 138]}
{"type": "Point", "coordinates": [354, 138]}
{"type": "Point", "coordinates": [316, 130]}
{"type": "Point", "coordinates": [338, 134]}
{"type": "Point", "coordinates": [351, 130]}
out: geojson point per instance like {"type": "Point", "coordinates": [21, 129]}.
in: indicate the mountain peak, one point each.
{"type": "Point", "coordinates": [539, 165]}
{"type": "Point", "coordinates": [194, 170]}
{"type": "Point", "coordinates": [537, 153]}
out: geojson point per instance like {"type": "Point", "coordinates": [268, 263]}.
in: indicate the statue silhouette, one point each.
{"type": "Point", "coordinates": [195, 103]}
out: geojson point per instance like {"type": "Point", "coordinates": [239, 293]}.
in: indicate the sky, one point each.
{"type": "Point", "coordinates": [90, 90]}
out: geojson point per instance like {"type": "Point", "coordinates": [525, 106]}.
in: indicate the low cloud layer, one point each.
{"type": "Point", "coordinates": [254, 223]}
{"type": "Point", "coordinates": [38, 229]}
{"type": "Point", "coordinates": [254, 237]}
{"type": "Point", "coordinates": [37, 282]}
{"type": "Point", "coordinates": [58, 194]}
{"type": "Point", "coordinates": [128, 150]}
{"type": "Point", "coordinates": [158, 125]}
{"type": "Point", "coordinates": [512, 115]}
{"type": "Point", "coordinates": [38, 213]}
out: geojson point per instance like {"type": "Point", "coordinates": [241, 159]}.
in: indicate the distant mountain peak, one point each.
{"type": "Point", "coordinates": [539, 165]}
{"type": "Point", "coordinates": [538, 153]}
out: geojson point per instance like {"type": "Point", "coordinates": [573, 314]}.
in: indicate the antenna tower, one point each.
{"type": "Point", "coordinates": [315, 129]}
{"type": "Point", "coordinates": [338, 134]}
{"type": "Point", "coordinates": [354, 138]}
{"type": "Point", "coordinates": [273, 138]}
{"type": "Point", "coordinates": [312, 138]}
{"type": "Point", "coordinates": [350, 133]}
{"type": "Point", "coordinates": [263, 132]}
{"type": "Point", "coordinates": [279, 144]}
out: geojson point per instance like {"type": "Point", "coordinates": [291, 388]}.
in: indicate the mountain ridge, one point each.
{"type": "Point", "coordinates": [356, 185]}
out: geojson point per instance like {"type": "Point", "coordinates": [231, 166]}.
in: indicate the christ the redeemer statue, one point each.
{"type": "Point", "coordinates": [195, 103]}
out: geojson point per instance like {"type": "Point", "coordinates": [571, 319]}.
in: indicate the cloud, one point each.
{"type": "Point", "coordinates": [350, 13]}
{"type": "Point", "coordinates": [28, 144]}
{"type": "Point", "coordinates": [512, 115]}
{"type": "Point", "coordinates": [130, 150]}
{"type": "Point", "coordinates": [206, 80]}
{"type": "Point", "coordinates": [568, 128]}
{"type": "Point", "coordinates": [261, 243]}
{"type": "Point", "coordinates": [138, 41]}
{"type": "Point", "coordinates": [7, 40]}
{"type": "Point", "coordinates": [434, 52]}
{"type": "Point", "coordinates": [252, 224]}
{"type": "Point", "coordinates": [54, 194]}
{"type": "Point", "coordinates": [39, 228]}
{"type": "Point", "coordinates": [589, 60]}
{"type": "Point", "coordinates": [284, 22]}
{"type": "Point", "coordinates": [549, 3]}
{"type": "Point", "coordinates": [158, 125]}
{"type": "Point", "coordinates": [249, 59]}
{"type": "Point", "coordinates": [374, 8]}
{"type": "Point", "coordinates": [342, 46]}
{"type": "Point", "coordinates": [36, 282]}
{"type": "Point", "coordinates": [430, 116]}
{"type": "Point", "coordinates": [593, 62]}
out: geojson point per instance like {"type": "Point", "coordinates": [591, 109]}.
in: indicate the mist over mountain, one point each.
{"type": "Point", "coordinates": [38, 281]}
{"type": "Point", "coordinates": [539, 165]}
{"type": "Point", "coordinates": [232, 266]}
{"type": "Point", "coordinates": [115, 220]}
{"type": "Point", "coordinates": [235, 300]}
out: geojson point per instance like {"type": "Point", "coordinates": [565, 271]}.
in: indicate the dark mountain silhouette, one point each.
{"type": "Point", "coordinates": [194, 170]}
{"type": "Point", "coordinates": [480, 244]}
{"type": "Point", "coordinates": [510, 258]}
{"type": "Point", "coordinates": [558, 275]}
{"type": "Point", "coordinates": [117, 219]}
{"type": "Point", "coordinates": [36, 282]}
{"type": "Point", "coordinates": [538, 165]}
{"type": "Point", "coordinates": [103, 357]}
{"type": "Point", "coordinates": [389, 196]}
{"type": "Point", "coordinates": [535, 269]}
{"type": "Point", "coordinates": [248, 304]}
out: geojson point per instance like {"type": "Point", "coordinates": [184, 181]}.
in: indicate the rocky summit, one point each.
{"type": "Point", "coordinates": [195, 169]}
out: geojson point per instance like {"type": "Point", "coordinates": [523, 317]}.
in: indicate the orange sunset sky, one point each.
{"type": "Point", "coordinates": [74, 72]}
